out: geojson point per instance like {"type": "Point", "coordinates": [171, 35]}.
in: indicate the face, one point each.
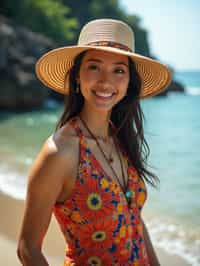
{"type": "Point", "coordinates": [103, 79]}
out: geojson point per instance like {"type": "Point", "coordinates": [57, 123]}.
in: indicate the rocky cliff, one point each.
{"type": "Point", "coordinates": [19, 50]}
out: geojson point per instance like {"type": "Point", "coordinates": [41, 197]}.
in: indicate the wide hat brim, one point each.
{"type": "Point", "coordinates": [53, 69]}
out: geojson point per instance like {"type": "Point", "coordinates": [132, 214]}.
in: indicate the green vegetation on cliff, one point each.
{"type": "Point", "coordinates": [50, 17]}
{"type": "Point", "coordinates": [61, 20]}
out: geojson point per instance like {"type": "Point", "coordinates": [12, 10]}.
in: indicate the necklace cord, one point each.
{"type": "Point", "coordinates": [125, 184]}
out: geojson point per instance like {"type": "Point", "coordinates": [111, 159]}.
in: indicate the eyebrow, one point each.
{"type": "Point", "coordinates": [99, 61]}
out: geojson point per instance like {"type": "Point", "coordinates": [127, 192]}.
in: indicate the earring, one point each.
{"type": "Point", "coordinates": [77, 88]}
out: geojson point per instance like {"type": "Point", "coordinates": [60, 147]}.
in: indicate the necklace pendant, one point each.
{"type": "Point", "coordinates": [129, 194]}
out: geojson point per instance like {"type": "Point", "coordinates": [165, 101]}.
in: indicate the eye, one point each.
{"type": "Point", "coordinates": [120, 71]}
{"type": "Point", "coordinates": [93, 67]}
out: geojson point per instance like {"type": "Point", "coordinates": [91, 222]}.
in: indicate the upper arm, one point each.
{"type": "Point", "coordinates": [45, 182]}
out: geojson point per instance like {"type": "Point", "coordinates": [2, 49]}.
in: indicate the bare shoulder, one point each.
{"type": "Point", "coordinates": [63, 145]}
{"type": "Point", "coordinates": [63, 141]}
{"type": "Point", "coordinates": [56, 159]}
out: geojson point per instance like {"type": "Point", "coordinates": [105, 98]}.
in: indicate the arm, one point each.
{"type": "Point", "coordinates": [44, 185]}
{"type": "Point", "coordinates": [149, 247]}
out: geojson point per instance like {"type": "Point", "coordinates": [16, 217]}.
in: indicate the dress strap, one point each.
{"type": "Point", "coordinates": [73, 123]}
{"type": "Point", "coordinates": [83, 141]}
{"type": "Point", "coordinates": [83, 151]}
{"type": "Point", "coordinates": [79, 133]}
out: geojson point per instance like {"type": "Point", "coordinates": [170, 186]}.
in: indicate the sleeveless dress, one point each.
{"type": "Point", "coordinates": [99, 227]}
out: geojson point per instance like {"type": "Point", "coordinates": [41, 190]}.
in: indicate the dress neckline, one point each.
{"type": "Point", "coordinates": [97, 163]}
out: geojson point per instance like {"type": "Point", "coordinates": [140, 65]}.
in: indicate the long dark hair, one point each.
{"type": "Point", "coordinates": [127, 116]}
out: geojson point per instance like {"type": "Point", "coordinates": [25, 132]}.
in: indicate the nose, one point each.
{"type": "Point", "coordinates": [105, 78]}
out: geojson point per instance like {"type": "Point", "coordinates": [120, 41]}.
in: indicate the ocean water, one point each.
{"type": "Point", "coordinates": [172, 130]}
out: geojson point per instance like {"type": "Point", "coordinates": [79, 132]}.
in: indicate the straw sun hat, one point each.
{"type": "Point", "coordinates": [108, 35]}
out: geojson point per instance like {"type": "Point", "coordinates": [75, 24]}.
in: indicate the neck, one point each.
{"type": "Point", "coordinates": [97, 122]}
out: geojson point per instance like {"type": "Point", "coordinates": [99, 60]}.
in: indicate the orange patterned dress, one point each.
{"type": "Point", "coordinates": [98, 225]}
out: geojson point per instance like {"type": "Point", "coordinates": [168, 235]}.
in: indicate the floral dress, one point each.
{"type": "Point", "coordinates": [98, 225]}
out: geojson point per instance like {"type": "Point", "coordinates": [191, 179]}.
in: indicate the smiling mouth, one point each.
{"type": "Point", "coordinates": [104, 95]}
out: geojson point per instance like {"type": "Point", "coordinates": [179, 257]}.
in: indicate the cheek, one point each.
{"type": "Point", "coordinates": [122, 84]}
{"type": "Point", "coordinates": [87, 78]}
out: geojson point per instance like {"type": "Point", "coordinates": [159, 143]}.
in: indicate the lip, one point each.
{"type": "Point", "coordinates": [96, 93]}
{"type": "Point", "coordinates": [103, 97]}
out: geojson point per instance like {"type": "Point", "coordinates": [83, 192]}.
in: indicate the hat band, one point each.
{"type": "Point", "coordinates": [110, 44]}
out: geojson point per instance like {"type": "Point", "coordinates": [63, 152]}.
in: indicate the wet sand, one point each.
{"type": "Point", "coordinates": [54, 246]}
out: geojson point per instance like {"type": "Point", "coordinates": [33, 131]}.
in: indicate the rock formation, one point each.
{"type": "Point", "coordinates": [19, 50]}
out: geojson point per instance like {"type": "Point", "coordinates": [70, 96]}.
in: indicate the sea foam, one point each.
{"type": "Point", "coordinates": [174, 239]}
{"type": "Point", "coordinates": [193, 90]}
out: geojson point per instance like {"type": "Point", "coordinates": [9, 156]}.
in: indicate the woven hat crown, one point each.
{"type": "Point", "coordinates": [107, 30]}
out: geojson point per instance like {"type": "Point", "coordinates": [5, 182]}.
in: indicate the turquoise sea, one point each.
{"type": "Point", "coordinates": [172, 129]}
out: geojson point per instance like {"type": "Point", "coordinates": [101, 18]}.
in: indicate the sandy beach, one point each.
{"type": "Point", "coordinates": [54, 247]}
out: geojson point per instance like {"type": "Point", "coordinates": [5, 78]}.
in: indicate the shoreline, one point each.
{"type": "Point", "coordinates": [11, 218]}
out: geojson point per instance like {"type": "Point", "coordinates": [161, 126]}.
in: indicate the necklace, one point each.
{"type": "Point", "coordinates": [128, 193]}
{"type": "Point", "coordinates": [109, 157]}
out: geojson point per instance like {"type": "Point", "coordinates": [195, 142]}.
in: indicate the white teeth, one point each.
{"type": "Point", "coordinates": [102, 94]}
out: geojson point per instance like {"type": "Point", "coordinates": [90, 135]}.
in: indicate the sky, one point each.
{"type": "Point", "coordinates": [173, 30]}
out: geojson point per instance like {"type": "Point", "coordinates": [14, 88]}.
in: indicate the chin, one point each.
{"type": "Point", "coordinates": [102, 107]}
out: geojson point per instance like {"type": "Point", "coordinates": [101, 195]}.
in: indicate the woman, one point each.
{"type": "Point", "coordinates": [91, 172]}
